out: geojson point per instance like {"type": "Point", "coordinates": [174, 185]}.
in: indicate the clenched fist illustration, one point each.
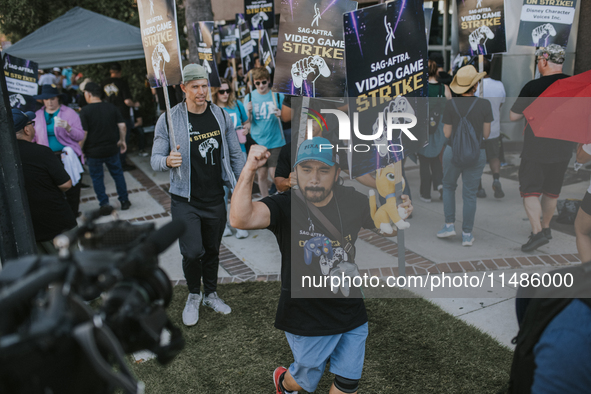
{"type": "Point", "coordinates": [314, 65]}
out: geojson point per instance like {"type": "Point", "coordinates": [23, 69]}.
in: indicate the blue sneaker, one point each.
{"type": "Point", "coordinates": [448, 230]}
{"type": "Point", "coordinates": [467, 239]}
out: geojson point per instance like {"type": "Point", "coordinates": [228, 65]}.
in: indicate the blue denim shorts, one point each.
{"type": "Point", "coordinates": [346, 353]}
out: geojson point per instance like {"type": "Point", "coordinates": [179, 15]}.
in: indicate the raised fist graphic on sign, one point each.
{"type": "Point", "coordinates": [303, 68]}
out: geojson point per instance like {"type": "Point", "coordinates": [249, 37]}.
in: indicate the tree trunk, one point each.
{"type": "Point", "coordinates": [196, 10]}
{"type": "Point", "coordinates": [583, 59]}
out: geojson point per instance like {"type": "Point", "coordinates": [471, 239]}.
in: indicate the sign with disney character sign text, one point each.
{"type": "Point", "coordinates": [546, 22]}
{"type": "Point", "coordinates": [311, 49]}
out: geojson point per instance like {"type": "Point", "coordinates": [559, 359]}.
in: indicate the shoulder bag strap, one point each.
{"type": "Point", "coordinates": [458, 111]}
{"type": "Point", "coordinates": [347, 246]}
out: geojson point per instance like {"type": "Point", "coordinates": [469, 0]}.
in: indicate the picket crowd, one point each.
{"type": "Point", "coordinates": [241, 140]}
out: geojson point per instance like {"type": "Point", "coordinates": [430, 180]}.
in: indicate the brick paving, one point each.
{"type": "Point", "coordinates": [415, 263]}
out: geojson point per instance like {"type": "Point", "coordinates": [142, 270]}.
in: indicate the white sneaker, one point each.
{"type": "Point", "coordinates": [240, 234]}
{"type": "Point", "coordinates": [191, 311]}
{"type": "Point", "coordinates": [227, 231]}
{"type": "Point", "coordinates": [216, 303]}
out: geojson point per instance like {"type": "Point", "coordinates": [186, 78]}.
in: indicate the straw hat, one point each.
{"type": "Point", "coordinates": [465, 78]}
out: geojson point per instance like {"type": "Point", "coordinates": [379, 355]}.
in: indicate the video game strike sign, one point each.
{"type": "Point", "coordinates": [229, 46]}
{"type": "Point", "coordinates": [545, 22]}
{"type": "Point", "coordinates": [260, 13]}
{"type": "Point", "coordinates": [21, 82]}
{"type": "Point", "coordinates": [310, 48]}
{"type": "Point", "coordinates": [481, 27]}
{"type": "Point", "coordinates": [161, 42]}
{"type": "Point", "coordinates": [204, 36]}
{"type": "Point", "coordinates": [386, 55]}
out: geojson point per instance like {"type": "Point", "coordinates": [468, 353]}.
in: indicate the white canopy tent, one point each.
{"type": "Point", "coordinates": [80, 37]}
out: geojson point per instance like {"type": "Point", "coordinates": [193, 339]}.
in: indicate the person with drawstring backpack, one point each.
{"type": "Point", "coordinates": [466, 122]}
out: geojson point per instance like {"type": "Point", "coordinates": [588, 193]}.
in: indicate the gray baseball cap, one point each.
{"type": "Point", "coordinates": [194, 71]}
{"type": "Point", "coordinates": [553, 53]}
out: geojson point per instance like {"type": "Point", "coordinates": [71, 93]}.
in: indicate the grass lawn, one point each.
{"type": "Point", "coordinates": [413, 347]}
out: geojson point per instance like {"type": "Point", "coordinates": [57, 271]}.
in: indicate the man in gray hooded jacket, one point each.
{"type": "Point", "coordinates": [207, 156]}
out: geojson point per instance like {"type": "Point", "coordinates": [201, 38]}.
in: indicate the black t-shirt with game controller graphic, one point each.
{"type": "Point", "coordinates": [207, 187]}
{"type": "Point", "coordinates": [309, 249]}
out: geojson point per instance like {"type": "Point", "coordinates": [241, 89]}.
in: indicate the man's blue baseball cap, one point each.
{"type": "Point", "coordinates": [20, 118]}
{"type": "Point", "coordinates": [318, 149]}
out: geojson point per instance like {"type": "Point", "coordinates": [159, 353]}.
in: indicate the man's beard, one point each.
{"type": "Point", "coordinates": [316, 197]}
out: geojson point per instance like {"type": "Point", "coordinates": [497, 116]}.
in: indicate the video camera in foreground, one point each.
{"type": "Point", "coordinates": [51, 338]}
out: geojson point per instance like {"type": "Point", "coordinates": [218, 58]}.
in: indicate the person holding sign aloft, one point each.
{"type": "Point", "coordinates": [209, 157]}
{"type": "Point", "coordinates": [264, 108]}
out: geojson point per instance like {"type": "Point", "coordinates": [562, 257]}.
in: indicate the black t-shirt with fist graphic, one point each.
{"type": "Point", "coordinates": [309, 310]}
{"type": "Point", "coordinates": [207, 188]}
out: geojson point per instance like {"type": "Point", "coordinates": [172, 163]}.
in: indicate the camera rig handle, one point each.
{"type": "Point", "coordinates": [85, 336]}
{"type": "Point", "coordinates": [42, 304]}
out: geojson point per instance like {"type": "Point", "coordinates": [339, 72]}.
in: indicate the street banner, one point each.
{"type": "Point", "coordinates": [386, 55]}
{"type": "Point", "coordinates": [545, 22]}
{"type": "Point", "coordinates": [310, 49]}
{"type": "Point", "coordinates": [229, 41]}
{"type": "Point", "coordinates": [266, 53]}
{"type": "Point", "coordinates": [161, 42]}
{"type": "Point", "coordinates": [481, 27]}
{"type": "Point", "coordinates": [21, 82]}
{"type": "Point", "coordinates": [246, 48]}
{"type": "Point", "coordinates": [205, 45]}
{"type": "Point", "coordinates": [260, 13]}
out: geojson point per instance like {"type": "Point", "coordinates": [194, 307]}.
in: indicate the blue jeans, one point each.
{"type": "Point", "coordinates": [470, 179]}
{"type": "Point", "coordinates": [95, 167]}
{"type": "Point", "coordinates": [345, 351]}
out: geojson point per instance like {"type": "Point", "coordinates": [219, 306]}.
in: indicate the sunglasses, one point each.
{"type": "Point", "coordinates": [257, 83]}
{"type": "Point", "coordinates": [224, 91]}
{"type": "Point", "coordinates": [31, 123]}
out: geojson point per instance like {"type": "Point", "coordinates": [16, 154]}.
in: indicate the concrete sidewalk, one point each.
{"type": "Point", "coordinates": [501, 227]}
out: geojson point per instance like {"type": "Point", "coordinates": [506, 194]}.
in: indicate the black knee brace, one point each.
{"type": "Point", "coordinates": [346, 385]}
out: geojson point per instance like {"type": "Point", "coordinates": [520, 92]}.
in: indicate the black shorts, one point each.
{"type": "Point", "coordinates": [586, 204]}
{"type": "Point", "coordinates": [493, 148]}
{"type": "Point", "coordinates": [536, 178]}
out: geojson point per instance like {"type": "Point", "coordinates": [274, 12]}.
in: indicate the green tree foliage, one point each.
{"type": "Point", "coordinates": [19, 18]}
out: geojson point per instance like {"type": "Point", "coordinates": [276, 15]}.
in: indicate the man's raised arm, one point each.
{"type": "Point", "coordinates": [244, 213]}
